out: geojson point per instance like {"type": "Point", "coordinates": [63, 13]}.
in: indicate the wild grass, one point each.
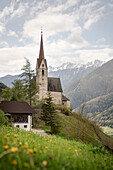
{"type": "Point", "coordinates": [25, 150]}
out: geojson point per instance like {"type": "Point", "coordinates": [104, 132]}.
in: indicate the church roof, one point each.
{"type": "Point", "coordinates": [41, 53]}
{"type": "Point", "coordinates": [16, 107]}
{"type": "Point", "coordinates": [64, 98]}
{"type": "Point", "coordinates": [54, 84]}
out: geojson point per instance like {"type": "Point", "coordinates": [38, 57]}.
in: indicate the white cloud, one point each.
{"type": "Point", "coordinates": [52, 23]}
{"type": "Point", "coordinates": [2, 28]}
{"type": "Point", "coordinates": [4, 44]}
{"type": "Point", "coordinates": [7, 11]}
{"type": "Point", "coordinates": [20, 10]}
{"type": "Point", "coordinates": [76, 38]}
{"type": "Point", "coordinates": [12, 59]}
{"type": "Point", "coordinates": [12, 33]}
{"type": "Point", "coordinates": [101, 40]}
{"type": "Point", "coordinates": [90, 13]}
{"type": "Point", "coordinates": [104, 54]}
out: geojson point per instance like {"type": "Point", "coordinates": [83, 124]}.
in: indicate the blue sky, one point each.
{"type": "Point", "coordinates": [73, 31]}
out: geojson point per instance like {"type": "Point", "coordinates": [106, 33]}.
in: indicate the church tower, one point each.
{"type": "Point", "coordinates": [42, 72]}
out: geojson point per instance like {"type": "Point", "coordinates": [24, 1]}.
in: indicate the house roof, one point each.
{"type": "Point", "coordinates": [64, 98]}
{"type": "Point", "coordinates": [16, 107]}
{"type": "Point", "coordinates": [54, 84]}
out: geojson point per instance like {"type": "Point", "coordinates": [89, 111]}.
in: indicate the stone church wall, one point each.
{"type": "Point", "coordinates": [57, 97]}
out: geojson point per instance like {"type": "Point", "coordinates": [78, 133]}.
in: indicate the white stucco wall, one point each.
{"type": "Point", "coordinates": [21, 125]}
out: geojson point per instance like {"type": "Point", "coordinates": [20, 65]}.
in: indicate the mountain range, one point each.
{"type": "Point", "coordinates": [68, 72]}
{"type": "Point", "coordinates": [97, 83]}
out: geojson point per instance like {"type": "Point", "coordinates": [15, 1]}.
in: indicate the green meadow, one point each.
{"type": "Point", "coordinates": [25, 150]}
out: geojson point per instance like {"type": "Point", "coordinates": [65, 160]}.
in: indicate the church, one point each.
{"type": "Point", "coordinates": [47, 84]}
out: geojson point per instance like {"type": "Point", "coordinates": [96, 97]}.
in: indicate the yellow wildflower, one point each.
{"type": "Point", "coordinates": [14, 162]}
{"type": "Point", "coordinates": [26, 146]}
{"type": "Point", "coordinates": [29, 135]}
{"type": "Point", "coordinates": [26, 165]}
{"type": "Point", "coordinates": [69, 148]}
{"type": "Point", "coordinates": [75, 150]}
{"type": "Point", "coordinates": [40, 151]}
{"type": "Point", "coordinates": [44, 163]}
{"type": "Point", "coordinates": [35, 150]}
{"type": "Point", "coordinates": [20, 143]}
{"type": "Point", "coordinates": [5, 137]}
{"type": "Point", "coordinates": [15, 135]}
{"type": "Point", "coordinates": [105, 159]}
{"type": "Point", "coordinates": [8, 134]}
{"type": "Point", "coordinates": [14, 149]}
{"type": "Point", "coordinates": [18, 139]}
{"type": "Point", "coordinates": [46, 147]}
{"type": "Point", "coordinates": [30, 150]}
{"type": "Point", "coordinates": [6, 147]}
{"type": "Point", "coordinates": [14, 142]}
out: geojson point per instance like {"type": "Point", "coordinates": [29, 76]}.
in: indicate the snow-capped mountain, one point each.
{"type": "Point", "coordinates": [69, 65]}
{"type": "Point", "coordinates": [69, 72]}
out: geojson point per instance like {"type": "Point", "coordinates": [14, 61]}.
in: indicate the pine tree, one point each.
{"type": "Point", "coordinates": [48, 114]}
{"type": "Point", "coordinates": [28, 80]}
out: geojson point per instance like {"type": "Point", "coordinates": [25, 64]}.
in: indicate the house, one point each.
{"type": "Point", "coordinates": [20, 112]}
{"type": "Point", "coordinates": [47, 84]}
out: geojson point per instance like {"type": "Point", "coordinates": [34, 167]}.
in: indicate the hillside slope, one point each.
{"type": "Point", "coordinates": [97, 83]}
{"type": "Point", "coordinates": [8, 79]}
{"type": "Point", "coordinates": [99, 109]}
{"type": "Point", "coordinates": [26, 150]}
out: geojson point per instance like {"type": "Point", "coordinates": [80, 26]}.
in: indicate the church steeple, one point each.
{"type": "Point", "coordinates": [41, 53]}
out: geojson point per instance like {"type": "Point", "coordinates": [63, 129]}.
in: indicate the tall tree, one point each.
{"type": "Point", "coordinates": [48, 114]}
{"type": "Point", "coordinates": [28, 80]}
{"type": "Point", "coordinates": [18, 90]}
{"type": "Point", "coordinates": [6, 94]}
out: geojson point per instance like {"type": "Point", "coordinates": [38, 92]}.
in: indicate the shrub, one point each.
{"type": "Point", "coordinates": [64, 109]}
{"type": "Point", "coordinates": [3, 118]}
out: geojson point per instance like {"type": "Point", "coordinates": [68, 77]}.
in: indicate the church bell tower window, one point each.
{"type": "Point", "coordinates": [43, 72]}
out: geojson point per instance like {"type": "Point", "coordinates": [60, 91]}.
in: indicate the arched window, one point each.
{"type": "Point", "coordinates": [43, 72]}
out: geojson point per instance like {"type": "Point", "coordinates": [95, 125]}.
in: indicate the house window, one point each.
{"type": "Point", "coordinates": [17, 126]}
{"type": "Point", "coordinates": [20, 119]}
{"type": "Point", "coordinates": [42, 65]}
{"type": "Point", "coordinates": [43, 72]}
{"type": "Point", "coordinates": [25, 126]}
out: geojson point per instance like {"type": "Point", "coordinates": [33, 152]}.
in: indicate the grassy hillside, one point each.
{"type": "Point", "coordinates": [25, 150]}
{"type": "Point", "coordinates": [99, 109]}
{"type": "Point", "coordinates": [79, 128]}
{"type": "Point", "coordinates": [97, 83]}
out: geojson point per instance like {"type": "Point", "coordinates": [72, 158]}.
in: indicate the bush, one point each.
{"type": "Point", "coordinates": [64, 109]}
{"type": "Point", "coordinates": [3, 118]}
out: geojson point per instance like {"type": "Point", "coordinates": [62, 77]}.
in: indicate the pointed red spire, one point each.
{"type": "Point", "coordinates": [41, 53]}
